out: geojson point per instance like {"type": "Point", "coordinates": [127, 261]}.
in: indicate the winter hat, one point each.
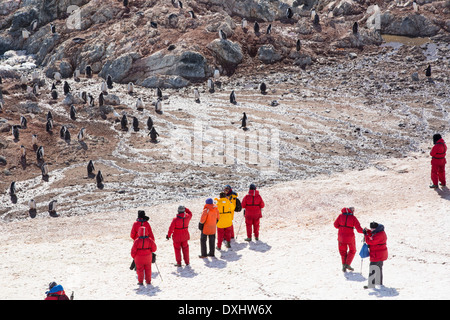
{"type": "Point", "coordinates": [181, 209]}
{"type": "Point", "coordinates": [209, 201]}
{"type": "Point", "coordinates": [141, 214]}
{"type": "Point", "coordinates": [373, 225]}
{"type": "Point", "coordinates": [436, 138]}
{"type": "Point", "coordinates": [252, 187]}
{"type": "Point", "coordinates": [347, 210]}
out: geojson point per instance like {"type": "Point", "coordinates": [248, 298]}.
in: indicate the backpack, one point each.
{"type": "Point", "coordinates": [238, 205]}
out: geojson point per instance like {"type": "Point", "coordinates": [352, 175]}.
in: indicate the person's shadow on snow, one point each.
{"type": "Point", "coordinates": [259, 246]}
{"type": "Point", "coordinates": [444, 192]}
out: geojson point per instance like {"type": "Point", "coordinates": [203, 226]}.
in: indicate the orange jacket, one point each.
{"type": "Point", "coordinates": [209, 218]}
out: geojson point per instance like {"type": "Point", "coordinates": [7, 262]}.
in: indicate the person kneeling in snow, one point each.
{"type": "Point", "coordinates": [179, 229]}
{"type": "Point", "coordinates": [142, 253]}
{"type": "Point", "coordinates": [346, 222]}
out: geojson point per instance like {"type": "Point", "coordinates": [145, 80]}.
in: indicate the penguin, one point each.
{"type": "Point", "coordinates": [34, 25]}
{"type": "Point", "coordinates": [130, 88]}
{"type": "Point", "coordinates": [153, 134]}
{"type": "Point", "coordinates": [316, 20]}
{"type": "Point", "coordinates": [32, 208]}
{"type": "Point", "coordinates": [66, 88]}
{"type": "Point", "coordinates": [149, 123]}
{"type": "Point", "coordinates": [124, 123]}
{"type": "Point", "coordinates": [83, 96]}
{"type": "Point", "coordinates": [197, 95]}
{"type": "Point", "coordinates": [90, 168]}
{"type": "Point", "coordinates": [54, 94]}
{"type": "Point", "coordinates": [139, 104]}
{"type": "Point", "coordinates": [158, 106]}
{"type": "Point", "coordinates": [428, 71]}
{"type": "Point", "coordinates": [263, 88]}
{"type": "Point", "coordinates": [222, 35]}
{"type": "Point", "coordinates": [233, 97]}
{"type": "Point", "coordinates": [289, 13]}
{"type": "Point", "coordinates": [154, 25]}
{"type": "Point", "coordinates": [52, 208]}
{"type": "Point", "coordinates": [415, 6]}
{"type": "Point", "coordinates": [355, 27]}
{"type": "Point", "coordinates": [34, 139]}
{"type": "Point", "coordinates": [171, 47]}
{"type": "Point", "coordinates": [210, 86]}
{"type": "Point", "coordinates": [53, 87]}
{"type": "Point", "coordinates": [12, 189]}
{"type": "Point", "coordinates": [23, 152]}
{"type": "Point", "coordinates": [49, 125]}
{"type": "Point", "coordinates": [88, 71]}
{"type": "Point", "coordinates": [40, 154]}
{"type": "Point", "coordinates": [15, 132]}
{"type": "Point", "coordinates": [158, 93]}
{"type": "Point", "coordinates": [99, 179]}
{"type": "Point", "coordinates": [104, 87]}
{"type": "Point", "coordinates": [269, 29]}
{"type": "Point", "coordinates": [52, 28]}
{"type": "Point", "coordinates": [313, 14]}
{"type": "Point", "coordinates": [82, 134]}
{"type": "Point", "coordinates": [109, 82]}
{"type": "Point", "coordinates": [23, 122]}
{"type": "Point", "coordinates": [256, 27]}
{"type": "Point", "coordinates": [192, 14]}
{"type": "Point", "coordinates": [298, 45]}
{"type": "Point", "coordinates": [91, 100]}
{"type": "Point", "coordinates": [101, 99]}
{"type": "Point", "coordinates": [62, 132]}
{"type": "Point", "coordinates": [135, 124]}
{"type": "Point", "coordinates": [49, 116]}
{"type": "Point", "coordinates": [216, 74]}
{"type": "Point", "coordinates": [36, 89]}
{"type": "Point", "coordinates": [244, 24]}
{"type": "Point", "coordinates": [67, 136]}
{"type": "Point", "coordinates": [244, 121]}
{"type": "Point", "coordinates": [125, 3]}
{"type": "Point", "coordinates": [73, 112]}
{"type": "Point", "coordinates": [44, 171]}
{"type": "Point", "coordinates": [1, 106]}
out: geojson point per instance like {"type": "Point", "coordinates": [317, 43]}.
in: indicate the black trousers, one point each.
{"type": "Point", "coordinates": [212, 242]}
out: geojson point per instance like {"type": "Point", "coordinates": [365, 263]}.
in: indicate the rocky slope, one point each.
{"type": "Point", "coordinates": [340, 102]}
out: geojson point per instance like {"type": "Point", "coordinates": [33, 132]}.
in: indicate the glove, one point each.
{"type": "Point", "coordinates": [167, 237]}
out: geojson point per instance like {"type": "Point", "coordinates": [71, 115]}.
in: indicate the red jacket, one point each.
{"type": "Point", "coordinates": [179, 226]}
{"type": "Point", "coordinates": [346, 222]}
{"type": "Point", "coordinates": [253, 203]}
{"type": "Point", "coordinates": [141, 223]}
{"type": "Point", "coordinates": [143, 245]}
{"type": "Point", "coordinates": [438, 153]}
{"type": "Point", "coordinates": [377, 244]}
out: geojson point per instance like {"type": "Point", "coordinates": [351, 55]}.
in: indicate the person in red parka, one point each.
{"type": "Point", "coordinates": [376, 240]}
{"type": "Point", "coordinates": [438, 161]}
{"type": "Point", "coordinates": [142, 253]}
{"type": "Point", "coordinates": [252, 204]}
{"type": "Point", "coordinates": [55, 292]}
{"type": "Point", "coordinates": [179, 232]}
{"type": "Point", "coordinates": [141, 221]}
{"type": "Point", "coordinates": [346, 222]}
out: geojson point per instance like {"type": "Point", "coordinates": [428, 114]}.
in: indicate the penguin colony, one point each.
{"type": "Point", "coordinates": [108, 84]}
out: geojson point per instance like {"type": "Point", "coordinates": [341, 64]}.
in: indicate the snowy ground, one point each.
{"type": "Point", "coordinates": [296, 257]}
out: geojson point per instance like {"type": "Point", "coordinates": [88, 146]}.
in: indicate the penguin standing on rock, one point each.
{"type": "Point", "coordinates": [66, 88]}
{"type": "Point", "coordinates": [109, 82]}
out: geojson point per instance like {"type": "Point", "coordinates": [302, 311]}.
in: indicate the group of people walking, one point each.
{"type": "Point", "coordinates": [217, 218]}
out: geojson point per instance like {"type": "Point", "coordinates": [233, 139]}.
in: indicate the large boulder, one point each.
{"type": "Point", "coordinates": [119, 68]}
{"type": "Point", "coordinates": [228, 54]}
{"type": "Point", "coordinates": [413, 25]}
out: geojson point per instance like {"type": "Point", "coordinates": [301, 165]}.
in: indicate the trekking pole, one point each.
{"type": "Point", "coordinates": [159, 272]}
{"type": "Point", "coordinates": [240, 225]}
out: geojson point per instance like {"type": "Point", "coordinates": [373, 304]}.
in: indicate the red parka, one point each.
{"type": "Point", "coordinates": [179, 226]}
{"type": "Point", "coordinates": [346, 222]}
{"type": "Point", "coordinates": [143, 245]}
{"type": "Point", "coordinates": [253, 203]}
{"type": "Point", "coordinates": [377, 244]}
{"type": "Point", "coordinates": [141, 223]}
{"type": "Point", "coordinates": [438, 153]}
